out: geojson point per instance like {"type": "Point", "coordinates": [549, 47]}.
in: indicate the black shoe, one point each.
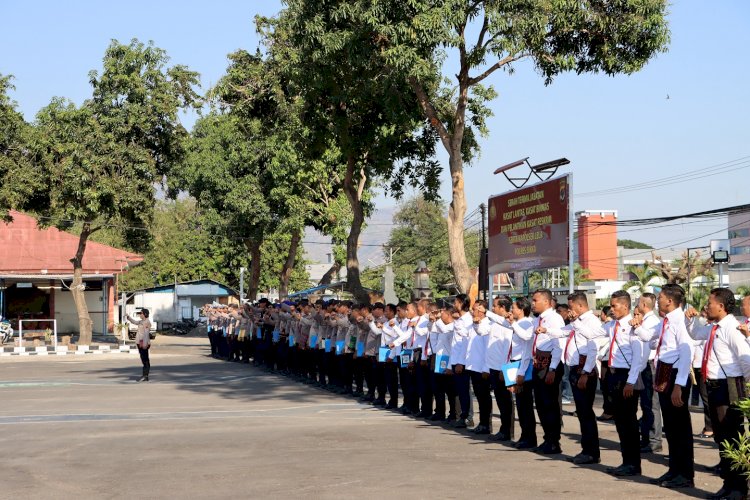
{"type": "Point", "coordinates": [358, 394]}
{"type": "Point", "coordinates": [726, 494]}
{"type": "Point", "coordinates": [481, 430]}
{"type": "Point", "coordinates": [436, 418]}
{"type": "Point", "coordinates": [550, 449]}
{"type": "Point", "coordinates": [403, 409]}
{"type": "Point", "coordinates": [459, 424]}
{"type": "Point", "coordinates": [524, 445]}
{"type": "Point", "coordinates": [651, 448]}
{"type": "Point", "coordinates": [625, 471]}
{"type": "Point", "coordinates": [367, 398]}
{"type": "Point", "coordinates": [423, 414]}
{"type": "Point", "coordinates": [500, 436]}
{"type": "Point", "coordinates": [378, 402]}
{"type": "Point", "coordinates": [678, 482]}
{"type": "Point", "coordinates": [584, 459]}
{"type": "Point", "coordinates": [143, 379]}
{"type": "Point", "coordinates": [604, 417]}
{"type": "Point", "coordinates": [390, 406]}
{"type": "Point", "coordinates": [667, 476]}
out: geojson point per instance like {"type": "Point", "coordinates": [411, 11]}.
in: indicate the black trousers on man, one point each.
{"type": "Point", "coordinates": [626, 418]}
{"type": "Point", "coordinates": [728, 424]}
{"type": "Point", "coordinates": [647, 408]}
{"type": "Point", "coordinates": [408, 380]}
{"type": "Point", "coordinates": [424, 386]}
{"type": "Point", "coordinates": [481, 386]}
{"type": "Point", "coordinates": [547, 398]}
{"type": "Point", "coordinates": [368, 368]}
{"type": "Point", "coordinates": [607, 405]}
{"type": "Point", "coordinates": [390, 370]}
{"type": "Point", "coordinates": [504, 400]}
{"type": "Point", "coordinates": [584, 400]}
{"type": "Point", "coordinates": [462, 383]}
{"type": "Point", "coordinates": [378, 370]}
{"type": "Point", "coordinates": [144, 360]}
{"type": "Point", "coordinates": [443, 386]}
{"type": "Point", "coordinates": [525, 409]}
{"type": "Point", "coordinates": [680, 429]}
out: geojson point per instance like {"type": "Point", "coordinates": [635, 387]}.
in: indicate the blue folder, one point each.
{"type": "Point", "coordinates": [339, 347]}
{"type": "Point", "coordinates": [259, 333]}
{"type": "Point", "coordinates": [276, 335]}
{"type": "Point", "coordinates": [314, 341]}
{"type": "Point", "coordinates": [383, 353]}
{"type": "Point", "coordinates": [328, 345]}
{"type": "Point", "coordinates": [291, 340]}
{"type": "Point", "coordinates": [405, 357]}
{"type": "Point", "coordinates": [441, 363]}
{"type": "Point", "coordinates": [510, 372]}
{"type": "Point", "coordinates": [360, 349]}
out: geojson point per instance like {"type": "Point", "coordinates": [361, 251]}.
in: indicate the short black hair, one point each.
{"type": "Point", "coordinates": [503, 302]}
{"type": "Point", "coordinates": [578, 298]}
{"type": "Point", "coordinates": [378, 305]}
{"type": "Point", "coordinates": [391, 307]}
{"type": "Point", "coordinates": [523, 304]}
{"type": "Point", "coordinates": [546, 292]}
{"type": "Point", "coordinates": [145, 312]}
{"type": "Point", "coordinates": [674, 292]}
{"type": "Point", "coordinates": [463, 300]}
{"type": "Point", "coordinates": [622, 295]}
{"type": "Point", "coordinates": [725, 297]}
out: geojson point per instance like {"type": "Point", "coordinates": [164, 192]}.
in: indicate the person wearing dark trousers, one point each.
{"type": "Point", "coordinates": [583, 333]}
{"type": "Point", "coordinates": [423, 350]}
{"type": "Point", "coordinates": [441, 337]}
{"type": "Point", "coordinates": [674, 353]}
{"type": "Point", "coordinates": [725, 369]}
{"type": "Point", "coordinates": [649, 399]}
{"type": "Point", "coordinates": [627, 357]}
{"type": "Point", "coordinates": [607, 411]}
{"type": "Point", "coordinates": [461, 325]}
{"type": "Point", "coordinates": [388, 335]}
{"type": "Point", "coordinates": [376, 319]}
{"type": "Point", "coordinates": [407, 316]}
{"type": "Point", "coordinates": [143, 341]}
{"type": "Point", "coordinates": [548, 370]}
{"type": "Point", "coordinates": [700, 391]}
{"type": "Point", "coordinates": [476, 366]}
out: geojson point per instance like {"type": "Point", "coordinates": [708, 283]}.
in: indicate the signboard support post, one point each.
{"type": "Point", "coordinates": [571, 264]}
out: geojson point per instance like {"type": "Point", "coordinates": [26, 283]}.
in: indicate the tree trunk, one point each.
{"type": "Point", "coordinates": [288, 267]}
{"type": "Point", "coordinates": [354, 195]}
{"type": "Point", "coordinates": [328, 276]}
{"type": "Point", "coordinates": [85, 325]}
{"type": "Point", "coordinates": [253, 246]}
{"type": "Point", "coordinates": [456, 213]}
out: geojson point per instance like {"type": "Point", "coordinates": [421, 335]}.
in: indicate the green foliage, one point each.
{"type": "Point", "coordinates": [14, 160]}
{"type": "Point", "coordinates": [633, 245]}
{"type": "Point", "coordinates": [643, 278]}
{"type": "Point", "coordinates": [738, 450]}
{"type": "Point", "coordinates": [698, 296]}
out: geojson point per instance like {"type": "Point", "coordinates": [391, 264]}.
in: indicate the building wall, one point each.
{"type": "Point", "coordinates": [160, 305]}
{"type": "Point", "coordinates": [67, 316]}
{"type": "Point", "coordinates": [739, 241]}
{"type": "Point", "coordinates": [597, 244]}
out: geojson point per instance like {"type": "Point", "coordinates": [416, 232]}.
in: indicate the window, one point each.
{"type": "Point", "coordinates": [744, 250]}
{"type": "Point", "coordinates": [739, 233]}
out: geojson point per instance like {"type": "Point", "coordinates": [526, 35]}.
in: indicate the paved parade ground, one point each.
{"type": "Point", "coordinates": [81, 427]}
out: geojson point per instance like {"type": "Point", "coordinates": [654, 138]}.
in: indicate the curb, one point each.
{"type": "Point", "coordinates": [65, 350]}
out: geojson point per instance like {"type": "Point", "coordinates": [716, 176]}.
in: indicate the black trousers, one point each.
{"type": "Point", "coordinates": [379, 376]}
{"type": "Point", "coordinates": [214, 345]}
{"type": "Point", "coordinates": [626, 419]}
{"type": "Point", "coordinates": [322, 357]}
{"type": "Point", "coordinates": [444, 386]}
{"type": "Point", "coordinates": [547, 398]}
{"type": "Point", "coordinates": [504, 400]}
{"type": "Point", "coordinates": [647, 407]}
{"type": "Point", "coordinates": [424, 385]}
{"type": "Point", "coordinates": [584, 400]}
{"type": "Point", "coordinates": [481, 386]}
{"type": "Point", "coordinates": [408, 381]}
{"type": "Point", "coordinates": [368, 367]}
{"type": "Point", "coordinates": [680, 429]}
{"type": "Point", "coordinates": [346, 365]}
{"type": "Point", "coordinates": [462, 382]}
{"type": "Point", "coordinates": [606, 391]}
{"type": "Point", "coordinates": [525, 409]}
{"type": "Point", "coordinates": [702, 390]}
{"type": "Point", "coordinates": [390, 371]}
{"type": "Point", "coordinates": [144, 360]}
{"type": "Point", "coordinates": [359, 364]}
{"type": "Point", "coordinates": [728, 424]}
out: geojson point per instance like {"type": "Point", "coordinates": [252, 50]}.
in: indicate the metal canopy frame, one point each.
{"type": "Point", "coordinates": [543, 171]}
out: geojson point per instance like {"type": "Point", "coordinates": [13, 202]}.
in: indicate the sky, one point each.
{"type": "Point", "coordinates": [616, 132]}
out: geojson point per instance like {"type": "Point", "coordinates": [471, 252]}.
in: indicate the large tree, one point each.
{"type": "Point", "coordinates": [482, 37]}
{"type": "Point", "coordinates": [96, 166]}
{"type": "Point", "coordinates": [352, 101]}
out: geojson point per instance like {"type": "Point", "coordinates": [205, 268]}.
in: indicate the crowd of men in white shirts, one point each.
{"type": "Point", "coordinates": [519, 351]}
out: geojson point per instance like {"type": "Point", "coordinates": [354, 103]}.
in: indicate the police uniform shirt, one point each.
{"type": "Point", "coordinates": [674, 345]}
{"type": "Point", "coordinates": [461, 328]}
{"type": "Point", "coordinates": [628, 351]}
{"type": "Point", "coordinates": [729, 355]}
{"type": "Point", "coordinates": [389, 334]}
{"type": "Point", "coordinates": [374, 336]}
{"type": "Point", "coordinates": [476, 346]}
{"type": "Point", "coordinates": [577, 345]}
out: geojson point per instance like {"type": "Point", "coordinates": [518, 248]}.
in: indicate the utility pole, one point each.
{"type": "Point", "coordinates": [389, 292]}
{"type": "Point", "coordinates": [483, 269]}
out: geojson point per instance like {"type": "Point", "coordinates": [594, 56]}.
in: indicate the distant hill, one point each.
{"type": "Point", "coordinates": [377, 231]}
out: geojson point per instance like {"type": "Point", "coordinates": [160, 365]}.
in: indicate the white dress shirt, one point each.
{"type": "Point", "coordinates": [476, 347]}
{"type": "Point", "coordinates": [421, 331]}
{"type": "Point", "coordinates": [628, 351]}
{"type": "Point", "coordinates": [553, 322]}
{"type": "Point", "coordinates": [676, 345]}
{"type": "Point", "coordinates": [461, 328]}
{"type": "Point", "coordinates": [444, 338]}
{"type": "Point", "coordinates": [730, 353]}
{"type": "Point", "coordinates": [509, 342]}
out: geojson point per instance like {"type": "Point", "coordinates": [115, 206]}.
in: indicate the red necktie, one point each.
{"type": "Point", "coordinates": [570, 337]}
{"type": "Point", "coordinates": [661, 335]}
{"type": "Point", "coordinates": [707, 353]}
{"type": "Point", "coordinates": [612, 343]}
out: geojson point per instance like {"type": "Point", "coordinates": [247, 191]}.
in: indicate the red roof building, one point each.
{"type": "Point", "coordinates": [35, 271]}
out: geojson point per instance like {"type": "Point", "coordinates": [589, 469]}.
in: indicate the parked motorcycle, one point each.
{"type": "Point", "coordinates": [6, 331]}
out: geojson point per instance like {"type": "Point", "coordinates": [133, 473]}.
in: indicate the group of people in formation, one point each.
{"type": "Point", "coordinates": [646, 354]}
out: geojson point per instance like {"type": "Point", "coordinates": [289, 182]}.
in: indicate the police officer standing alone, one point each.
{"type": "Point", "coordinates": [143, 341]}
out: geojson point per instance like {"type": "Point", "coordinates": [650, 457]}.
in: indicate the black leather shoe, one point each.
{"type": "Point", "coordinates": [726, 494]}
{"type": "Point", "coordinates": [651, 448]}
{"type": "Point", "coordinates": [500, 436]}
{"type": "Point", "coordinates": [550, 449]}
{"type": "Point", "coordinates": [424, 414]}
{"type": "Point", "coordinates": [459, 424]}
{"type": "Point", "coordinates": [524, 445]}
{"type": "Point", "coordinates": [403, 410]}
{"type": "Point", "coordinates": [390, 406]}
{"type": "Point", "coordinates": [481, 430]}
{"type": "Point", "coordinates": [378, 402]}
{"type": "Point", "coordinates": [436, 417]}
{"type": "Point", "coordinates": [604, 417]}
{"type": "Point", "coordinates": [667, 476]}
{"type": "Point", "coordinates": [625, 471]}
{"type": "Point", "coordinates": [584, 459]}
{"type": "Point", "coordinates": [721, 494]}
{"type": "Point", "coordinates": [678, 482]}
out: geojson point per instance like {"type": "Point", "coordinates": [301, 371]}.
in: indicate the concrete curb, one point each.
{"type": "Point", "coordinates": [64, 350]}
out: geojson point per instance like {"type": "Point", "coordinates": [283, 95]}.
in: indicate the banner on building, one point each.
{"type": "Point", "coordinates": [529, 228]}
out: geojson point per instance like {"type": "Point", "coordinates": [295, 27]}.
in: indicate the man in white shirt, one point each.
{"type": "Point", "coordinates": [421, 358]}
{"type": "Point", "coordinates": [461, 327]}
{"type": "Point", "coordinates": [523, 328]}
{"type": "Point", "coordinates": [745, 309]}
{"type": "Point", "coordinates": [503, 346]}
{"type": "Point", "coordinates": [376, 321]}
{"type": "Point", "coordinates": [388, 335]}
{"type": "Point", "coordinates": [725, 370]}
{"type": "Point", "coordinates": [443, 383]}
{"type": "Point", "coordinates": [548, 370]}
{"type": "Point", "coordinates": [674, 354]}
{"type": "Point", "coordinates": [476, 366]}
{"type": "Point", "coordinates": [627, 358]}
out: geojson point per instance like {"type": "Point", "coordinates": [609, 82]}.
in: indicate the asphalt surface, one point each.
{"type": "Point", "coordinates": [82, 427]}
